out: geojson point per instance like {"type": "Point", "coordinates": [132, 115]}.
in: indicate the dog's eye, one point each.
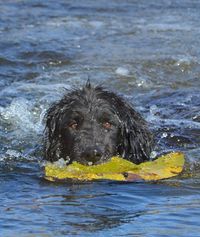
{"type": "Point", "coordinates": [107, 125]}
{"type": "Point", "coordinates": [73, 124]}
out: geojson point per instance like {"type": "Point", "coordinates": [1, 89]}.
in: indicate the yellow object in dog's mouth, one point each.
{"type": "Point", "coordinates": [119, 169]}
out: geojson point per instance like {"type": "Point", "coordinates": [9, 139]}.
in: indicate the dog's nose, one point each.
{"type": "Point", "coordinates": [92, 154]}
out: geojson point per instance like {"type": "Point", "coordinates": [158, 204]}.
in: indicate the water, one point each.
{"type": "Point", "coordinates": [148, 52]}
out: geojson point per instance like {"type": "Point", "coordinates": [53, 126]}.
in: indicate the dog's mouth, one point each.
{"type": "Point", "coordinates": [102, 160]}
{"type": "Point", "coordinates": [91, 155]}
{"type": "Point", "coordinates": [92, 159]}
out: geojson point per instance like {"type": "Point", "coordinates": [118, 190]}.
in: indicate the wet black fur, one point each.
{"type": "Point", "coordinates": [90, 108]}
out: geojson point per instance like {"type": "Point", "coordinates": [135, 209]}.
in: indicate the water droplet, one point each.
{"type": "Point", "coordinates": [164, 135]}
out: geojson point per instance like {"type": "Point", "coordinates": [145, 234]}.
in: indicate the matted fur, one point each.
{"type": "Point", "coordinates": [90, 108]}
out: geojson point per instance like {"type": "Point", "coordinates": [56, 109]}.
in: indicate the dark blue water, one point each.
{"type": "Point", "coordinates": [148, 52]}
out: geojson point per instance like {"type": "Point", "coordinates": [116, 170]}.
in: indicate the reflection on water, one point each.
{"type": "Point", "coordinates": [148, 52]}
{"type": "Point", "coordinates": [99, 208]}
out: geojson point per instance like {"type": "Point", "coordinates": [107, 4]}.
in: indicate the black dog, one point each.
{"type": "Point", "coordinates": [91, 125]}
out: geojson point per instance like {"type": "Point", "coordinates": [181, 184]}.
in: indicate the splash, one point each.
{"type": "Point", "coordinates": [22, 114]}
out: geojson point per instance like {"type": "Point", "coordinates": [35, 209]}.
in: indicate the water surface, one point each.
{"type": "Point", "coordinates": [148, 52]}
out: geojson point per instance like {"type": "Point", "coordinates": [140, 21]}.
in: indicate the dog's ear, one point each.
{"type": "Point", "coordinates": [52, 141]}
{"type": "Point", "coordinates": [137, 141]}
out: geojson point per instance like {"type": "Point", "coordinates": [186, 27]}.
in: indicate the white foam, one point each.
{"type": "Point", "coordinates": [122, 71]}
{"type": "Point", "coordinates": [13, 153]}
{"type": "Point", "coordinates": [96, 24]}
{"type": "Point", "coordinates": [73, 22]}
{"type": "Point", "coordinates": [20, 113]}
{"type": "Point", "coordinates": [61, 163]}
{"type": "Point", "coordinates": [144, 82]}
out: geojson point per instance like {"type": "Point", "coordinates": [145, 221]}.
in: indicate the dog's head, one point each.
{"type": "Point", "coordinates": [91, 125]}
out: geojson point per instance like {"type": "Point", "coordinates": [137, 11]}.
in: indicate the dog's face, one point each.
{"type": "Point", "coordinates": [90, 132]}
{"type": "Point", "coordinates": [92, 125]}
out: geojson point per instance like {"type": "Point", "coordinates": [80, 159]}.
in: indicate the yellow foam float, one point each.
{"type": "Point", "coordinates": [118, 169]}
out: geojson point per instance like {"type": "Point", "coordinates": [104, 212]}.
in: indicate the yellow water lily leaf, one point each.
{"type": "Point", "coordinates": [119, 169]}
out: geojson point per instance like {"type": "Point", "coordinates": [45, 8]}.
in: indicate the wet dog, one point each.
{"type": "Point", "coordinates": [90, 125]}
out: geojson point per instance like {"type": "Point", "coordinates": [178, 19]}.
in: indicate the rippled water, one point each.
{"type": "Point", "coordinates": [147, 51]}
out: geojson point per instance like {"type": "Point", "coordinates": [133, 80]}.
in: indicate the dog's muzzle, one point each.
{"type": "Point", "coordinates": [92, 155]}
